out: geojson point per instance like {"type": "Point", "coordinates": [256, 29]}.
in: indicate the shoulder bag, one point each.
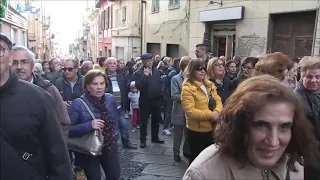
{"type": "Point", "coordinates": [91, 143]}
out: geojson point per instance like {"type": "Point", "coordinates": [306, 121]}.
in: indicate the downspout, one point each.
{"type": "Point", "coordinates": [141, 25]}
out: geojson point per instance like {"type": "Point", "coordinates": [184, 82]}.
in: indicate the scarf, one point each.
{"type": "Point", "coordinates": [313, 101]}
{"type": "Point", "coordinates": [108, 130]}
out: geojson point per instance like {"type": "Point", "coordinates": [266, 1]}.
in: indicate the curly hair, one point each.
{"type": "Point", "coordinates": [250, 97]}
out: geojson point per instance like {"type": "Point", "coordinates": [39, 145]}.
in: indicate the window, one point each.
{"type": "Point", "coordinates": [116, 21]}
{"type": "Point", "coordinates": [14, 35]}
{"type": "Point", "coordinates": [109, 17]}
{"type": "Point", "coordinates": [173, 4]}
{"type": "Point", "coordinates": [102, 19]}
{"type": "Point", "coordinates": [23, 38]}
{"type": "Point", "coordinates": [155, 7]}
{"type": "Point", "coordinates": [106, 16]}
{"type": "Point", "coordinates": [105, 52]}
{"type": "Point", "coordinates": [123, 16]}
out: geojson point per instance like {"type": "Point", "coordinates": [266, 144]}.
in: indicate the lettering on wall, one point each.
{"type": "Point", "coordinates": [251, 45]}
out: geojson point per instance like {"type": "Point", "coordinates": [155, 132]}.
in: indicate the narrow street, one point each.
{"type": "Point", "coordinates": [152, 163]}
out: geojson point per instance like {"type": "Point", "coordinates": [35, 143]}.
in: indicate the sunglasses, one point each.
{"type": "Point", "coordinates": [200, 68]}
{"type": "Point", "coordinates": [67, 69]}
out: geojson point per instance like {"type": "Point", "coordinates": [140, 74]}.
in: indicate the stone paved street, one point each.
{"type": "Point", "coordinates": [156, 160]}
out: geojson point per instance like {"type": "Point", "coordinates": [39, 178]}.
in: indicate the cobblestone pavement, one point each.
{"type": "Point", "coordinates": [155, 162]}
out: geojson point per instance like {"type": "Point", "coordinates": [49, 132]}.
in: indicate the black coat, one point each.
{"type": "Point", "coordinates": [67, 93]}
{"type": "Point", "coordinates": [150, 87]}
{"type": "Point", "coordinates": [124, 88]}
{"type": "Point", "coordinates": [29, 118]}
{"type": "Point", "coordinates": [224, 91]}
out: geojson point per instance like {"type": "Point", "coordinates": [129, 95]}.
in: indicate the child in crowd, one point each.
{"type": "Point", "coordinates": [134, 101]}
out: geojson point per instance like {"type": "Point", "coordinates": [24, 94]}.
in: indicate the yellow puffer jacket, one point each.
{"type": "Point", "coordinates": [195, 104]}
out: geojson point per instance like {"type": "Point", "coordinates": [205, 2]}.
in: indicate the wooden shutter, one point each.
{"type": "Point", "coordinates": [106, 16]}
{"type": "Point", "coordinates": [102, 19]}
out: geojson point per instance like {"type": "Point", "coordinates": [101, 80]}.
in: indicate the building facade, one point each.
{"type": "Point", "coordinates": [126, 29]}
{"type": "Point", "coordinates": [14, 25]}
{"type": "Point", "coordinates": [104, 32]}
{"type": "Point", "coordinates": [250, 28]}
{"type": "Point", "coordinates": [166, 27]}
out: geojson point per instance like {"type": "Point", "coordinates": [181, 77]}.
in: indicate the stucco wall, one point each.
{"type": "Point", "coordinates": [168, 26]}
{"type": "Point", "coordinates": [252, 31]}
{"type": "Point", "coordinates": [128, 43]}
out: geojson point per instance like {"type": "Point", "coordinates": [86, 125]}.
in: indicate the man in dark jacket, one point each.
{"type": "Point", "coordinates": [118, 86]}
{"type": "Point", "coordinates": [32, 144]}
{"type": "Point", "coordinates": [148, 81]}
{"type": "Point", "coordinates": [23, 61]}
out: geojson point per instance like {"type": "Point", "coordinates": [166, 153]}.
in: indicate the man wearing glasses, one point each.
{"type": "Point", "coordinates": [32, 145]}
{"type": "Point", "coordinates": [70, 84]}
{"type": "Point", "coordinates": [23, 62]}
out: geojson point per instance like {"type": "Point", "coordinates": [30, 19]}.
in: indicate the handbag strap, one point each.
{"type": "Point", "coordinates": [87, 107]}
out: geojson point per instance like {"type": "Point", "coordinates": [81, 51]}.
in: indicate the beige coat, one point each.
{"type": "Point", "coordinates": [210, 165]}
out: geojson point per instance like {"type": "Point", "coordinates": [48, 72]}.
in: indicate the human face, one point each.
{"type": "Point", "coordinates": [148, 63]}
{"type": "Point", "coordinates": [112, 65]}
{"type": "Point", "coordinates": [121, 64]}
{"type": "Point", "coordinates": [232, 68]}
{"type": "Point", "coordinates": [247, 70]}
{"type": "Point", "coordinates": [56, 65]}
{"type": "Point", "coordinates": [22, 65]}
{"type": "Point", "coordinates": [311, 80]}
{"type": "Point", "coordinates": [200, 52]}
{"type": "Point", "coordinates": [5, 59]}
{"type": "Point", "coordinates": [69, 71]}
{"type": "Point", "coordinates": [218, 68]}
{"type": "Point", "coordinates": [46, 67]}
{"type": "Point", "coordinates": [97, 87]}
{"type": "Point", "coordinates": [269, 134]}
{"type": "Point", "coordinates": [200, 73]}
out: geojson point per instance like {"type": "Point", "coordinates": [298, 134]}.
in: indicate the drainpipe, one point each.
{"type": "Point", "coordinates": [141, 25]}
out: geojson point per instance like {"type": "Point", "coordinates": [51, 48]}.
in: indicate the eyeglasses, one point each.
{"type": "Point", "coordinates": [2, 51]}
{"type": "Point", "coordinates": [200, 69]}
{"type": "Point", "coordinates": [246, 68]}
{"type": "Point", "coordinates": [67, 69]}
{"type": "Point", "coordinates": [23, 63]}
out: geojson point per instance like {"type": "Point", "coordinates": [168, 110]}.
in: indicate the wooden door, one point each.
{"type": "Point", "coordinates": [293, 33]}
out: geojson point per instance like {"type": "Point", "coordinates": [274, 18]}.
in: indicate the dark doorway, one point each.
{"type": "Point", "coordinates": [154, 48]}
{"type": "Point", "coordinates": [292, 33]}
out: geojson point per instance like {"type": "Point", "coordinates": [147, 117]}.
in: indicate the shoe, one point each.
{"type": "Point", "coordinates": [133, 130]}
{"type": "Point", "coordinates": [143, 145]}
{"type": "Point", "coordinates": [159, 141]}
{"type": "Point", "coordinates": [126, 115]}
{"type": "Point", "coordinates": [80, 175]}
{"type": "Point", "coordinates": [166, 132]}
{"type": "Point", "coordinates": [130, 146]}
{"type": "Point", "coordinates": [177, 158]}
{"type": "Point", "coordinates": [138, 127]}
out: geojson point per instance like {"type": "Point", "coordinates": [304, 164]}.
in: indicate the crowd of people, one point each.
{"type": "Point", "coordinates": [249, 118]}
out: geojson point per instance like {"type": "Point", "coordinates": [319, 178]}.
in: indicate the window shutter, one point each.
{"type": "Point", "coordinates": [124, 13]}
{"type": "Point", "coordinates": [157, 5]}
{"type": "Point", "coordinates": [116, 23]}
{"type": "Point", "coordinates": [110, 17]}
{"type": "Point", "coordinates": [102, 18]}
{"type": "Point", "coordinates": [106, 12]}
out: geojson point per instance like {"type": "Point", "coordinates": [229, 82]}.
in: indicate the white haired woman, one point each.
{"type": "Point", "coordinates": [308, 89]}
{"type": "Point", "coordinates": [37, 70]}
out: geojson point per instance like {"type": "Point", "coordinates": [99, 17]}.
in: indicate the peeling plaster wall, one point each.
{"type": "Point", "coordinates": [251, 45]}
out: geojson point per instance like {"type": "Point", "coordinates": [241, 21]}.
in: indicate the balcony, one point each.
{"type": "Point", "coordinates": [46, 23]}
{"type": "Point", "coordinates": [99, 3]}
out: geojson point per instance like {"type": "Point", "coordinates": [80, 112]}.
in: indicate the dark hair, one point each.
{"type": "Point", "coordinates": [191, 69]}
{"type": "Point", "coordinates": [101, 60]}
{"type": "Point", "coordinates": [295, 60]}
{"type": "Point", "coordinates": [251, 96]}
{"type": "Point", "coordinates": [201, 45]}
{"type": "Point", "coordinates": [176, 62]}
{"type": "Point", "coordinates": [184, 62]}
{"type": "Point", "coordinates": [230, 62]}
{"type": "Point", "coordinates": [91, 75]}
{"type": "Point", "coordinates": [251, 60]}
{"type": "Point", "coordinates": [44, 62]}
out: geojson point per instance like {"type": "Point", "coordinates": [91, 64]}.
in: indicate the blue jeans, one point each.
{"type": "Point", "coordinates": [168, 111]}
{"type": "Point", "coordinates": [123, 127]}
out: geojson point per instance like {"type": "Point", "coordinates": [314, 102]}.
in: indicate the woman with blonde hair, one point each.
{"type": "Point", "coordinates": [202, 106]}
{"type": "Point", "coordinates": [264, 134]}
{"type": "Point", "coordinates": [216, 74]}
{"type": "Point", "coordinates": [308, 89]}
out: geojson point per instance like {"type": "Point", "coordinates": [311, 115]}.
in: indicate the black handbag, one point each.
{"type": "Point", "coordinates": [13, 159]}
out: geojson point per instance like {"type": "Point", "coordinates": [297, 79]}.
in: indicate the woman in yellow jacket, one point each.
{"type": "Point", "coordinates": [202, 106]}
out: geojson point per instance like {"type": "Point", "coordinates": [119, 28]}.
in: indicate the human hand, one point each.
{"type": "Point", "coordinates": [216, 117]}
{"type": "Point", "coordinates": [67, 104]}
{"type": "Point", "coordinates": [97, 124]}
